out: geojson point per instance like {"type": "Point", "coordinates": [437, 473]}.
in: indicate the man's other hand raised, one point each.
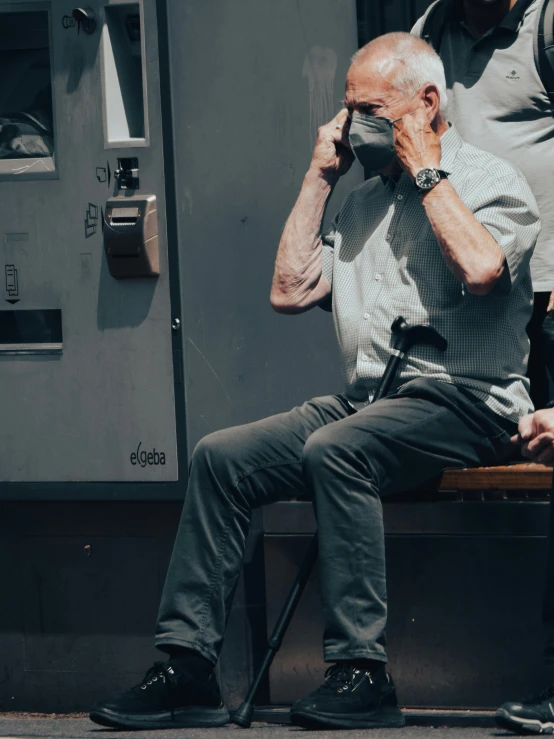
{"type": "Point", "coordinates": [536, 436]}
{"type": "Point", "coordinates": [332, 155]}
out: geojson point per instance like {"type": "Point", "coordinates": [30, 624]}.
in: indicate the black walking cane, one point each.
{"type": "Point", "coordinates": [405, 336]}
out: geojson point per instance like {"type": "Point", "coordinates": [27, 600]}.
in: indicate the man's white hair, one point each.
{"type": "Point", "coordinates": [408, 63]}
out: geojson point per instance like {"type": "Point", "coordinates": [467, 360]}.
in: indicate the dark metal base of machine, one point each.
{"type": "Point", "coordinates": [81, 585]}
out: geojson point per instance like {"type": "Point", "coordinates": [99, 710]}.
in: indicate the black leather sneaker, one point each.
{"type": "Point", "coordinates": [167, 698]}
{"type": "Point", "coordinates": [534, 716]}
{"type": "Point", "coordinates": [350, 698]}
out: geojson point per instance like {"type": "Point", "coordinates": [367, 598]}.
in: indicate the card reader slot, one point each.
{"type": "Point", "coordinates": [123, 222]}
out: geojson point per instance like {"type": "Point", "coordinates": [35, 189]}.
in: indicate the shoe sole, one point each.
{"type": "Point", "coordinates": [522, 725]}
{"type": "Point", "coordinates": [181, 718]}
{"type": "Point", "coordinates": [382, 718]}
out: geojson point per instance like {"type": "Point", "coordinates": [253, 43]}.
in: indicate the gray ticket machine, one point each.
{"type": "Point", "coordinates": [86, 338]}
{"type": "Point", "coordinates": [150, 151]}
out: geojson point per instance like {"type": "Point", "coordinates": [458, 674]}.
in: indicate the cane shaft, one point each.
{"type": "Point", "coordinates": [388, 376]}
{"type": "Point", "coordinates": [243, 717]}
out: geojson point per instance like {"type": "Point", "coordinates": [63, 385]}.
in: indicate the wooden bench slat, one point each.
{"type": "Point", "coordinates": [523, 476]}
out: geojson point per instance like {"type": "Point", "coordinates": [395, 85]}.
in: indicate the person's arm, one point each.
{"type": "Point", "coordinates": [536, 436]}
{"type": "Point", "coordinates": [298, 281]}
{"type": "Point", "coordinates": [470, 251]}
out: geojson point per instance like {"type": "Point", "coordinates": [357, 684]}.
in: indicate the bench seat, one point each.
{"type": "Point", "coordinates": [517, 476]}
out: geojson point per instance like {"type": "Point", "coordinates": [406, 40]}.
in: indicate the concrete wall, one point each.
{"type": "Point", "coordinates": [251, 82]}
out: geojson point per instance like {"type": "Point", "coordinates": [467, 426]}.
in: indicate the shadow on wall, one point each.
{"type": "Point", "coordinates": [320, 66]}
{"type": "Point", "coordinates": [123, 303]}
{"type": "Point", "coordinates": [79, 55]}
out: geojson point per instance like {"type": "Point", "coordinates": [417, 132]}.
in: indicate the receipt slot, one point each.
{"type": "Point", "coordinates": [131, 237]}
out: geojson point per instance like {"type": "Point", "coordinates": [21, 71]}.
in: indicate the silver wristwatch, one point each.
{"type": "Point", "coordinates": [428, 177]}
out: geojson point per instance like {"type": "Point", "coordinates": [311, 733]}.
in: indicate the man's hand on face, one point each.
{"type": "Point", "coordinates": [536, 436]}
{"type": "Point", "coordinates": [332, 155]}
{"type": "Point", "coordinates": [417, 145]}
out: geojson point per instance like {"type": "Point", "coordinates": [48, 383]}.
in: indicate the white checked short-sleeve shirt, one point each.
{"type": "Point", "coordinates": [382, 260]}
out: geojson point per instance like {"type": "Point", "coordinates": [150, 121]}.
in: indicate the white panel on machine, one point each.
{"type": "Point", "coordinates": [124, 81]}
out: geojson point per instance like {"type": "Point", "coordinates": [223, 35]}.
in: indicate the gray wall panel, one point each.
{"type": "Point", "coordinates": [251, 81]}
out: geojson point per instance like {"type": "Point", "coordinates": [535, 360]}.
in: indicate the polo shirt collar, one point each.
{"type": "Point", "coordinates": [511, 21]}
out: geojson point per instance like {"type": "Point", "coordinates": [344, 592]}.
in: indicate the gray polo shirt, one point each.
{"type": "Point", "coordinates": [498, 103]}
{"type": "Point", "coordinates": [382, 260]}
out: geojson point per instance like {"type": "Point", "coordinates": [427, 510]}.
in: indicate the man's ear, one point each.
{"type": "Point", "coordinates": [431, 99]}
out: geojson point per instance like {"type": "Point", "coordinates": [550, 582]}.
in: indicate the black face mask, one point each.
{"type": "Point", "coordinates": [372, 140]}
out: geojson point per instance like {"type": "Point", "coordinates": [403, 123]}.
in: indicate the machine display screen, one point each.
{"type": "Point", "coordinates": [30, 327]}
{"type": "Point", "coordinates": [26, 116]}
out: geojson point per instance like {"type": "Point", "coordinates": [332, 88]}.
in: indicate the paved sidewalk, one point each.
{"type": "Point", "coordinates": [33, 727]}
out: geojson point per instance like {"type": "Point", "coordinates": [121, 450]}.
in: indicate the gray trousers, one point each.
{"type": "Point", "coordinates": [345, 461]}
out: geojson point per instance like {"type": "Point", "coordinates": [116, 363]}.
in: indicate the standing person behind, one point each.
{"type": "Point", "coordinates": [535, 438]}
{"type": "Point", "coordinates": [492, 55]}
{"type": "Point", "coordinates": [498, 102]}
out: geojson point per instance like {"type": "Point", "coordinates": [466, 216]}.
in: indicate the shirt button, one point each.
{"type": "Point", "coordinates": [365, 358]}
{"type": "Point", "coordinates": [378, 277]}
{"type": "Point", "coordinates": [366, 316]}
{"type": "Point", "coordinates": [387, 237]}
{"type": "Point", "coordinates": [399, 197]}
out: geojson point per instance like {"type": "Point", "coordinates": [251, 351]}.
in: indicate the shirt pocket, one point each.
{"type": "Point", "coordinates": [423, 269]}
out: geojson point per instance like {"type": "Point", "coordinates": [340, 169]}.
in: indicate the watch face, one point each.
{"type": "Point", "coordinates": [427, 178]}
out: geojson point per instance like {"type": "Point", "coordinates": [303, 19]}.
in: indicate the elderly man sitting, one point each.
{"type": "Point", "coordinates": [443, 234]}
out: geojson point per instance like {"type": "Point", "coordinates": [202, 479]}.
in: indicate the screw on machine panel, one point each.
{"type": "Point", "coordinates": [86, 19]}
